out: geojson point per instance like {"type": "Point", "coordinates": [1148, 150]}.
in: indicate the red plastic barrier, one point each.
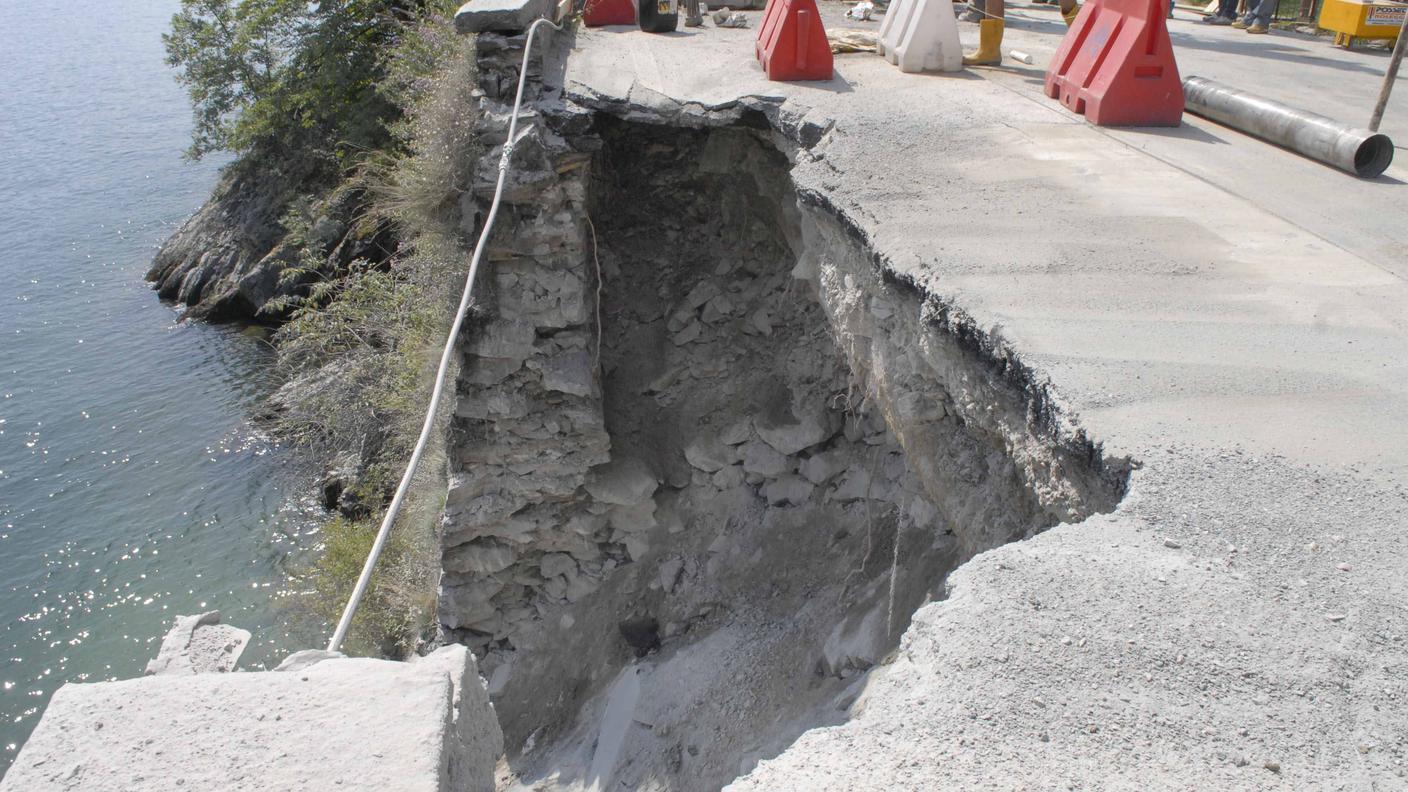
{"type": "Point", "coordinates": [1116, 66]}
{"type": "Point", "coordinates": [770, 16]}
{"type": "Point", "coordinates": [609, 12]}
{"type": "Point", "coordinates": [792, 43]}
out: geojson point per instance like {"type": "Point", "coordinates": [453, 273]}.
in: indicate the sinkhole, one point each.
{"type": "Point", "coordinates": [698, 503]}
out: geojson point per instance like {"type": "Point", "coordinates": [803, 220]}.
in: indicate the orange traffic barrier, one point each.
{"type": "Point", "coordinates": [609, 12]}
{"type": "Point", "coordinates": [792, 43]}
{"type": "Point", "coordinates": [1116, 66]}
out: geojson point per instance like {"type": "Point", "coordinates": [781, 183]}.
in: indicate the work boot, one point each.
{"type": "Point", "coordinates": [1240, 24]}
{"type": "Point", "coordinates": [989, 44]}
{"type": "Point", "coordinates": [1070, 16]}
{"type": "Point", "coordinates": [1258, 28]}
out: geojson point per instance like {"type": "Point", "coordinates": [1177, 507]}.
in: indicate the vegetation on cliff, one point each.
{"type": "Point", "coordinates": [358, 110]}
{"type": "Point", "coordinates": [287, 74]}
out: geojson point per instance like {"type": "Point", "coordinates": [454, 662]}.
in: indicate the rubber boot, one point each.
{"type": "Point", "coordinates": [1070, 16]}
{"type": "Point", "coordinates": [989, 44]}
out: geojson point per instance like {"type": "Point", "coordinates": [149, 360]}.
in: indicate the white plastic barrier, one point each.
{"type": "Point", "coordinates": [920, 35]}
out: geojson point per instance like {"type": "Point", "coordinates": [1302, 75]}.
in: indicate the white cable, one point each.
{"type": "Point", "coordinates": [361, 589]}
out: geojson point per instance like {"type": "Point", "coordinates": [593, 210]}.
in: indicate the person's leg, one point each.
{"type": "Point", "coordinates": [1226, 12]}
{"type": "Point", "coordinates": [1259, 20]}
{"type": "Point", "coordinates": [975, 12]}
{"type": "Point", "coordinates": [989, 36]}
{"type": "Point", "coordinates": [1069, 9]}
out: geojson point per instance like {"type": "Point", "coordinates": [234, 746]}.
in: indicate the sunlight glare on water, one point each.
{"type": "Point", "coordinates": [133, 486]}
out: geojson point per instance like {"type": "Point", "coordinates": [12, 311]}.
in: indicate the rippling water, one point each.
{"type": "Point", "coordinates": [132, 485]}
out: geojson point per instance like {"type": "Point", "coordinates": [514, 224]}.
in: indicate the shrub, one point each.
{"type": "Point", "coordinates": [360, 349]}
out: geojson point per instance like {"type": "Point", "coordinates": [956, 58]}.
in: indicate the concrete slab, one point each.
{"type": "Point", "coordinates": [200, 644]}
{"type": "Point", "coordinates": [339, 724]}
{"type": "Point", "coordinates": [1230, 315]}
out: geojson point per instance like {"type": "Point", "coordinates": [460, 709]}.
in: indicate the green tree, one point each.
{"type": "Point", "coordinates": [291, 75]}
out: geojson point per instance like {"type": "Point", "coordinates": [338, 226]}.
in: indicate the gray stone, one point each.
{"type": "Point", "coordinates": [486, 371]}
{"type": "Point", "coordinates": [621, 481]}
{"type": "Point", "coordinates": [729, 477]}
{"type": "Point", "coordinates": [762, 459]}
{"type": "Point", "coordinates": [469, 602]}
{"type": "Point", "coordinates": [689, 334]}
{"type": "Point", "coordinates": [760, 321]}
{"type": "Point", "coordinates": [717, 309]}
{"type": "Point", "coordinates": [633, 518]}
{"type": "Point", "coordinates": [636, 545]}
{"type": "Point", "coordinates": [344, 723]}
{"type": "Point", "coordinates": [670, 573]}
{"type": "Point", "coordinates": [503, 338]}
{"type": "Point", "coordinates": [199, 645]}
{"type": "Point", "coordinates": [737, 433]}
{"type": "Point", "coordinates": [482, 556]}
{"type": "Point", "coordinates": [788, 491]}
{"type": "Point", "coordinates": [707, 453]}
{"type": "Point", "coordinates": [854, 485]}
{"type": "Point", "coordinates": [554, 564]}
{"type": "Point", "coordinates": [812, 427]}
{"type": "Point", "coordinates": [700, 294]}
{"type": "Point", "coordinates": [501, 16]}
{"type": "Point", "coordinates": [555, 587]}
{"type": "Point", "coordinates": [579, 586]}
{"type": "Point", "coordinates": [568, 372]}
{"type": "Point", "coordinates": [819, 468]}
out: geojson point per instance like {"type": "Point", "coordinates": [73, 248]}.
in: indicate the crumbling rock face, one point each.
{"type": "Point", "coordinates": [707, 459]}
{"type": "Point", "coordinates": [521, 528]}
{"type": "Point", "coordinates": [233, 260]}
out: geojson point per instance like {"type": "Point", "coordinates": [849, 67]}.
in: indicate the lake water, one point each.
{"type": "Point", "coordinates": [132, 484]}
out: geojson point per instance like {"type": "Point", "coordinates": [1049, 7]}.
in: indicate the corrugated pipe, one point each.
{"type": "Point", "coordinates": [1358, 151]}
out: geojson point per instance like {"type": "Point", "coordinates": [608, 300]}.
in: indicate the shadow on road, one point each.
{"type": "Point", "coordinates": [1261, 47]}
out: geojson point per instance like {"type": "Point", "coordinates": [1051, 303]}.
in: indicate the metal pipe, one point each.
{"type": "Point", "coordinates": [1358, 151]}
{"type": "Point", "coordinates": [1390, 75]}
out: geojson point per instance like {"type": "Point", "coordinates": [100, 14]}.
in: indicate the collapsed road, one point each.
{"type": "Point", "coordinates": [891, 431]}
{"type": "Point", "coordinates": [852, 334]}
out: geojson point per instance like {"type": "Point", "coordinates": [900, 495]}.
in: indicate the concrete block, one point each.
{"type": "Point", "coordinates": [348, 724]}
{"type": "Point", "coordinates": [500, 16]}
{"type": "Point", "coordinates": [921, 35]}
{"type": "Point", "coordinates": [199, 645]}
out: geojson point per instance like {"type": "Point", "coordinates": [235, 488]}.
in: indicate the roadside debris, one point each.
{"type": "Point", "coordinates": [851, 40]}
{"type": "Point", "coordinates": [861, 11]}
{"type": "Point", "coordinates": [726, 18]}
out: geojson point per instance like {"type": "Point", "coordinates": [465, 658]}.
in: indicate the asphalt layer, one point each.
{"type": "Point", "coordinates": [1229, 315]}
